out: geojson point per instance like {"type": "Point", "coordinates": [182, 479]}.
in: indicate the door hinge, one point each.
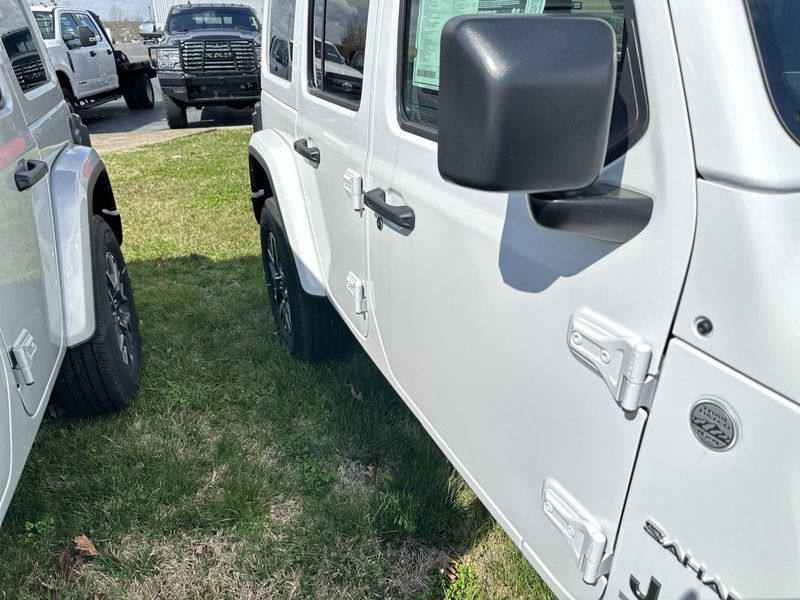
{"type": "Point", "coordinates": [354, 186]}
{"type": "Point", "coordinates": [620, 357]}
{"type": "Point", "coordinates": [22, 353]}
{"type": "Point", "coordinates": [358, 290]}
{"type": "Point", "coordinates": [582, 531]}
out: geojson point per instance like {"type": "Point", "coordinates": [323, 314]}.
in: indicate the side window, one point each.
{"type": "Point", "coordinates": [281, 24]}
{"type": "Point", "coordinates": [424, 20]}
{"type": "Point", "coordinates": [69, 28]}
{"type": "Point", "coordinates": [340, 35]}
{"type": "Point", "coordinates": [84, 21]}
{"type": "Point", "coordinates": [22, 49]}
{"type": "Point", "coordinates": [45, 22]}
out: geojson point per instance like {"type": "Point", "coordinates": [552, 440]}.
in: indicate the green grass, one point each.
{"type": "Point", "coordinates": [239, 472]}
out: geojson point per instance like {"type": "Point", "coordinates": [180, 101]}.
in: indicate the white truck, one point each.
{"type": "Point", "coordinates": [68, 325]}
{"type": "Point", "coordinates": [568, 233]}
{"type": "Point", "coordinates": [90, 70]}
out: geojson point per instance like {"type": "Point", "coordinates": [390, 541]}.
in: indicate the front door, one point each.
{"type": "Point", "coordinates": [483, 313]}
{"type": "Point", "coordinates": [102, 52]}
{"type": "Point", "coordinates": [30, 319]}
{"type": "Point", "coordinates": [88, 76]}
{"type": "Point", "coordinates": [332, 145]}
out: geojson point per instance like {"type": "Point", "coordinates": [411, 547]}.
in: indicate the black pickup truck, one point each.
{"type": "Point", "coordinates": [210, 56]}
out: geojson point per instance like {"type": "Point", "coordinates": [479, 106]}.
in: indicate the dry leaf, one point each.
{"type": "Point", "coordinates": [66, 563]}
{"type": "Point", "coordinates": [84, 547]}
{"type": "Point", "coordinates": [100, 596]}
{"type": "Point", "coordinates": [355, 393]}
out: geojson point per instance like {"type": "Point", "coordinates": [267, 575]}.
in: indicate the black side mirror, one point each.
{"type": "Point", "coordinates": [525, 101]}
{"type": "Point", "coordinates": [87, 36]}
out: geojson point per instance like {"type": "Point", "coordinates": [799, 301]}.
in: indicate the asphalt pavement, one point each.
{"type": "Point", "coordinates": [116, 118]}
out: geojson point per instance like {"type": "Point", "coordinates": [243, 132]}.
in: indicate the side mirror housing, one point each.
{"type": "Point", "coordinates": [525, 102]}
{"type": "Point", "coordinates": [87, 36]}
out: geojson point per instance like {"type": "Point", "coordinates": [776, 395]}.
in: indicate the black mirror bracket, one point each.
{"type": "Point", "coordinates": [601, 211]}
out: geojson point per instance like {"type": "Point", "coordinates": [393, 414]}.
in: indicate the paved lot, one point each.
{"type": "Point", "coordinates": [113, 122]}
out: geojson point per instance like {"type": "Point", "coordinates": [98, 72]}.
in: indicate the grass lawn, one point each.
{"type": "Point", "coordinates": [239, 472]}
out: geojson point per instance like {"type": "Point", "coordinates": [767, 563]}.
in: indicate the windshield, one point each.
{"type": "Point", "coordinates": [45, 22]}
{"type": "Point", "coordinates": [221, 17]}
{"type": "Point", "coordinates": [776, 24]}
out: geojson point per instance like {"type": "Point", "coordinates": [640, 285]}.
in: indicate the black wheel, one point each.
{"type": "Point", "coordinates": [102, 374]}
{"type": "Point", "coordinates": [307, 324]}
{"type": "Point", "coordinates": [69, 97]}
{"type": "Point", "coordinates": [130, 98]}
{"type": "Point", "coordinates": [176, 114]}
{"type": "Point", "coordinates": [143, 88]}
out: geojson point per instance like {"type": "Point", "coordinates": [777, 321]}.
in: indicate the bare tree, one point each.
{"type": "Point", "coordinates": [116, 14]}
{"type": "Point", "coordinates": [354, 38]}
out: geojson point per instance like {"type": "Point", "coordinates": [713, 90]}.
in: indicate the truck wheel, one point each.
{"type": "Point", "coordinates": [131, 98]}
{"type": "Point", "coordinates": [70, 98]}
{"type": "Point", "coordinates": [308, 325]}
{"type": "Point", "coordinates": [102, 374]}
{"type": "Point", "coordinates": [143, 89]}
{"type": "Point", "coordinates": [176, 114]}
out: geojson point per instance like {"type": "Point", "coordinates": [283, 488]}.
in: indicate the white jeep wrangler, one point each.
{"type": "Point", "coordinates": [68, 325]}
{"type": "Point", "coordinates": [567, 232]}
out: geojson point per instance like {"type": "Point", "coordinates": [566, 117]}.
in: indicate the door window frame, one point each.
{"type": "Point", "coordinates": [349, 104]}
{"type": "Point", "coordinates": [631, 87]}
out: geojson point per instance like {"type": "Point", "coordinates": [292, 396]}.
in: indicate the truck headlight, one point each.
{"type": "Point", "coordinates": [168, 58]}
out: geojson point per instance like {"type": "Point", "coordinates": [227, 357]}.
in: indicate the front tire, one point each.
{"type": "Point", "coordinates": [102, 374]}
{"type": "Point", "coordinates": [306, 324]}
{"type": "Point", "coordinates": [176, 114]}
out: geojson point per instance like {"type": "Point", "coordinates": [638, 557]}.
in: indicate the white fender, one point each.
{"type": "Point", "coordinates": [72, 180]}
{"type": "Point", "coordinates": [275, 155]}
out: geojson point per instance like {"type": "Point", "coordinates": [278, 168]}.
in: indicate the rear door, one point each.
{"type": "Point", "coordinates": [487, 317]}
{"type": "Point", "coordinates": [332, 143]}
{"type": "Point", "coordinates": [30, 319]}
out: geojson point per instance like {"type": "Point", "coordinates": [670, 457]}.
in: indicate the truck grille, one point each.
{"type": "Point", "coordinates": [30, 72]}
{"type": "Point", "coordinates": [234, 56]}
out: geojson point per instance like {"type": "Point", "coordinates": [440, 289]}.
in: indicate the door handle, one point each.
{"type": "Point", "coordinates": [92, 53]}
{"type": "Point", "coordinates": [402, 216]}
{"type": "Point", "coordinates": [109, 52]}
{"type": "Point", "coordinates": [310, 153]}
{"type": "Point", "coordinates": [29, 173]}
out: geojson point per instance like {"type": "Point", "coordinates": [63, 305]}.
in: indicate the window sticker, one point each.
{"type": "Point", "coordinates": [433, 14]}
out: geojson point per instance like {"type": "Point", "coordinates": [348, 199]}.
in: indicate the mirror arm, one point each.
{"type": "Point", "coordinates": [602, 212]}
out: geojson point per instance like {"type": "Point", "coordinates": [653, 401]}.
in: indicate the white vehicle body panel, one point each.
{"type": "Point", "coordinates": [276, 154]}
{"type": "Point", "coordinates": [29, 286]}
{"type": "Point", "coordinates": [737, 137]}
{"type": "Point", "coordinates": [499, 293]}
{"type": "Point", "coordinates": [747, 282]}
{"type": "Point", "coordinates": [74, 177]}
{"type": "Point", "coordinates": [736, 512]}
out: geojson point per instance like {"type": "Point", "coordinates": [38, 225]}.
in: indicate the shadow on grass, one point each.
{"type": "Point", "coordinates": [228, 428]}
